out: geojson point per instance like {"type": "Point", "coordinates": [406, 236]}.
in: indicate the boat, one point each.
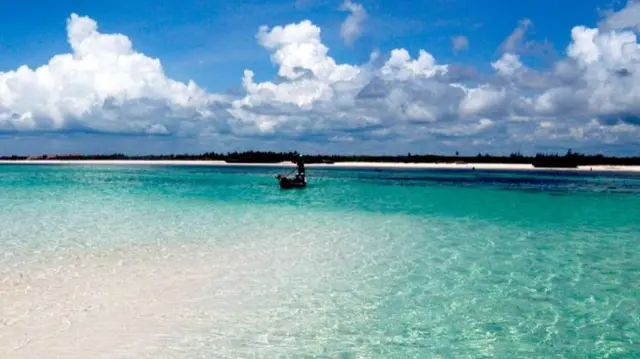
{"type": "Point", "coordinates": [299, 181]}
{"type": "Point", "coordinates": [289, 183]}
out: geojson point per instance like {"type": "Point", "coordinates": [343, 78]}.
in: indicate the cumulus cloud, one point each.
{"type": "Point", "coordinates": [309, 80]}
{"type": "Point", "coordinates": [626, 18]}
{"type": "Point", "coordinates": [460, 43]}
{"type": "Point", "coordinates": [399, 99]}
{"type": "Point", "coordinates": [607, 77]}
{"type": "Point", "coordinates": [351, 28]}
{"type": "Point", "coordinates": [401, 66]}
{"type": "Point", "coordinates": [94, 88]}
{"type": "Point", "coordinates": [508, 64]}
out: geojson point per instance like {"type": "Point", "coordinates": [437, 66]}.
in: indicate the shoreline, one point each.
{"type": "Point", "coordinates": [342, 165]}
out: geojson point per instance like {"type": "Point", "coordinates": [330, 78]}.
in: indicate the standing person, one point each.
{"type": "Point", "coordinates": [301, 174]}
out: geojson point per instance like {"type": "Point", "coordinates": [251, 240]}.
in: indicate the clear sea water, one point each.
{"type": "Point", "coordinates": [101, 261]}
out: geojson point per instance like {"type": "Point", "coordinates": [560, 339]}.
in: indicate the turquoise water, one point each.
{"type": "Point", "coordinates": [218, 262]}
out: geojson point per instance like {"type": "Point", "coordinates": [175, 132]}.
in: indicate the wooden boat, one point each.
{"type": "Point", "coordinates": [289, 183]}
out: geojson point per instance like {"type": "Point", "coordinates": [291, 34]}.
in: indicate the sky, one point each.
{"type": "Point", "coordinates": [320, 76]}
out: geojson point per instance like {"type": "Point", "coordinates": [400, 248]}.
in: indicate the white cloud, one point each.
{"type": "Point", "coordinates": [626, 18]}
{"type": "Point", "coordinates": [459, 43]}
{"type": "Point", "coordinates": [397, 99]}
{"type": "Point", "coordinates": [98, 85]}
{"type": "Point", "coordinates": [400, 66]}
{"type": "Point", "coordinates": [515, 43]}
{"type": "Point", "coordinates": [515, 39]}
{"type": "Point", "coordinates": [298, 50]}
{"type": "Point", "coordinates": [482, 101]}
{"type": "Point", "coordinates": [310, 79]}
{"type": "Point", "coordinates": [351, 28]}
{"type": "Point", "coordinates": [608, 76]}
{"type": "Point", "coordinates": [508, 64]}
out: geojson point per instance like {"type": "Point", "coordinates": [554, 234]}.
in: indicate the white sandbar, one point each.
{"type": "Point", "coordinates": [372, 165]}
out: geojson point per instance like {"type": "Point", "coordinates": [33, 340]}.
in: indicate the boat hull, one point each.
{"type": "Point", "coordinates": [287, 183]}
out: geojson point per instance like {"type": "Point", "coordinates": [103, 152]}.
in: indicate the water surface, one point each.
{"type": "Point", "coordinates": [198, 262]}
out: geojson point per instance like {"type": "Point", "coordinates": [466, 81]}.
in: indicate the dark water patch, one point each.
{"type": "Point", "coordinates": [235, 178]}
{"type": "Point", "coordinates": [508, 181]}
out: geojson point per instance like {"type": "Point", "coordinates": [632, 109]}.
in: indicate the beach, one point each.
{"type": "Point", "coordinates": [115, 261]}
{"type": "Point", "coordinates": [366, 165]}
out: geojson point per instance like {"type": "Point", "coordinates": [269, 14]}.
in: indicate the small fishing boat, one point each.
{"type": "Point", "coordinates": [299, 181]}
{"type": "Point", "coordinates": [288, 183]}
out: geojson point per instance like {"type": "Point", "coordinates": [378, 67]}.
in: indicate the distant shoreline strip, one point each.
{"type": "Point", "coordinates": [345, 165]}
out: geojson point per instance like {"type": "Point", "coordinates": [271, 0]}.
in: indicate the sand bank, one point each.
{"type": "Point", "coordinates": [477, 166]}
{"type": "Point", "coordinates": [123, 304]}
{"type": "Point", "coordinates": [346, 165]}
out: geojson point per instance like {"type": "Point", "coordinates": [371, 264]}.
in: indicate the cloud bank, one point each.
{"type": "Point", "coordinates": [102, 86]}
{"type": "Point", "coordinates": [399, 100]}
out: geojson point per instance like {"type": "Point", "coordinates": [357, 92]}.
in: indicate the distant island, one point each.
{"type": "Point", "coordinates": [568, 160]}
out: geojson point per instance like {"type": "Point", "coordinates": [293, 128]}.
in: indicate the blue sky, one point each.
{"type": "Point", "coordinates": [213, 42]}
{"type": "Point", "coordinates": [196, 38]}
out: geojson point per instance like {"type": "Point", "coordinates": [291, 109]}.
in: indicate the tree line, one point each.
{"type": "Point", "coordinates": [569, 159]}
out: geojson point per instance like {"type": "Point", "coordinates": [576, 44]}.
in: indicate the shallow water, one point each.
{"type": "Point", "coordinates": [183, 262]}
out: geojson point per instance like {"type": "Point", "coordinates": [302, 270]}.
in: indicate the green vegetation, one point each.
{"type": "Point", "coordinates": [570, 159]}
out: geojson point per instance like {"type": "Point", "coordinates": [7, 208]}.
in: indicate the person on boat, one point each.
{"type": "Point", "coordinates": [301, 176]}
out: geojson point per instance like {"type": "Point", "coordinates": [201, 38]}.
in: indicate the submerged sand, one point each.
{"type": "Point", "coordinates": [123, 304]}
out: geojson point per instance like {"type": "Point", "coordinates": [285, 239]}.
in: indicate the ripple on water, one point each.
{"type": "Point", "coordinates": [105, 270]}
